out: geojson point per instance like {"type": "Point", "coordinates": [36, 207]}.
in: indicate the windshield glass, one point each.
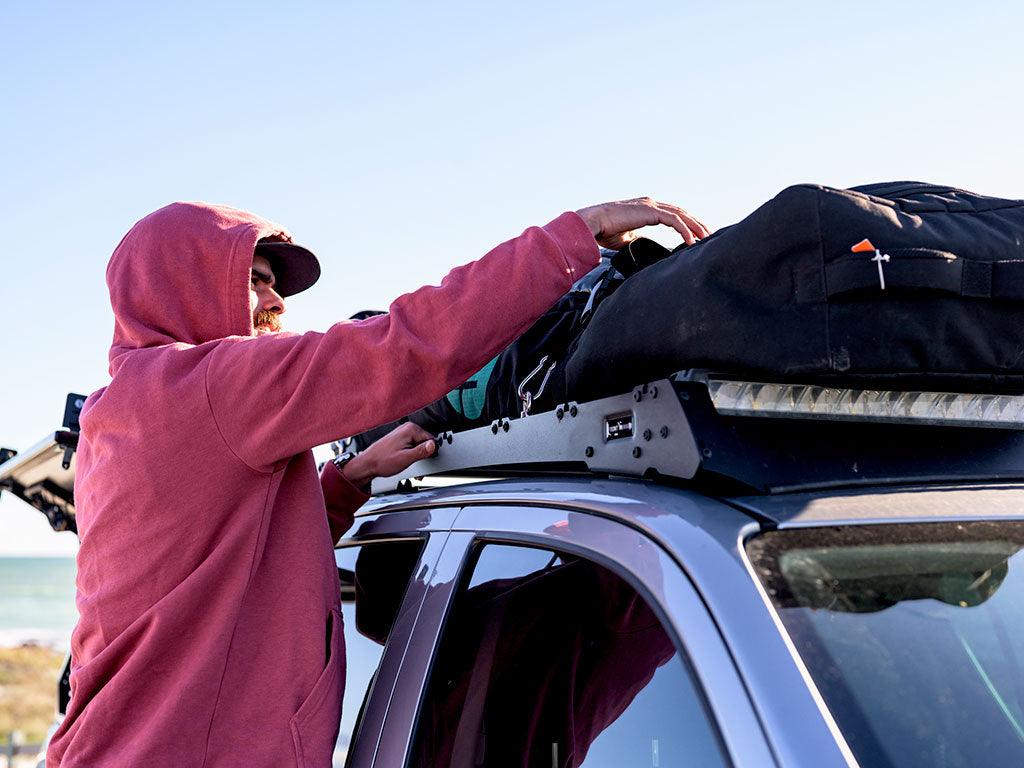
{"type": "Point", "coordinates": [914, 634]}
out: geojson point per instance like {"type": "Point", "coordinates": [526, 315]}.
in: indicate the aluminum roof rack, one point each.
{"type": "Point", "coordinates": [639, 433]}
{"type": "Point", "coordinates": [699, 427]}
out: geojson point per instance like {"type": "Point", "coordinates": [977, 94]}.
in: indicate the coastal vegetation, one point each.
{"type": "Point", "coordinates": [28, 691]}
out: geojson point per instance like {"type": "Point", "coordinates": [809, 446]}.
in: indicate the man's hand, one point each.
{"type": "Point", "coordinates": [397, 450]}
{"type": "Point", "coordinates": [613, 223]}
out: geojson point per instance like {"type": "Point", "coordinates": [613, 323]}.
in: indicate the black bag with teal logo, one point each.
{"type": "Point", "coordinates": [894, 280]}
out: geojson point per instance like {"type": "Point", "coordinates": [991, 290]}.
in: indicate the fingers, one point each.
{"type": "Point", "coordinates": [680, 220]}
{"type": "Point", "coordinates": [696, 225]}
{"type": "Point", "coordinates": [652, 213]}
{"type": "Point", "coordinates": [613, 223]}
{"type": "Point", "coordinates": [406, 457]}
{"type": "Point", "coordinates": [425, 449]}
{"type": "Point", "coordinates": [411, 434]}
{"type": "Point", "coordinates": [672, 219]}
{"type": "Point", "coordinates": [416, 443]}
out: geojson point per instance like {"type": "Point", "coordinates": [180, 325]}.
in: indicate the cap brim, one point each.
{"type": "Point", "coordinates": [295, 268]}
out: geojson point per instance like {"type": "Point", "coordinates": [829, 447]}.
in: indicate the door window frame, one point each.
{"type": "Point", "coordinates": [432, 527]}
{"type": "Point", "coordinates": [628, 553]}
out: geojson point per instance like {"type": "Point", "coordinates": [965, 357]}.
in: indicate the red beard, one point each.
{"type": "Point", "coordinates": [266, 322]}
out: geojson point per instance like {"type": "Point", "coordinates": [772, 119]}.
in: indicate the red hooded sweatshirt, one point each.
{"type": "Point", "coordinates": [210, 631]}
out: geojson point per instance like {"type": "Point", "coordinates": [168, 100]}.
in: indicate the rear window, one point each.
{"type": "Point", "coordinates": [914, 634]}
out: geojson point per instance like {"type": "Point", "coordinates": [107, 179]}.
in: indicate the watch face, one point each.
{"type": "Point", "coordinates": [344, 459]}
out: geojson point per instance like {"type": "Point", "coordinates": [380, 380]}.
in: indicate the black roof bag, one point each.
{"type": "Point", "coordinates": [900, 279]}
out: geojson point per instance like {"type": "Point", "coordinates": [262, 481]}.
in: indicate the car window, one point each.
{"type": "Point", "coordinates": [373, 580]}
{"type": "Point", "coordinates": [549, 659]}
{"type": "Point", "coordinates": [913, 633]}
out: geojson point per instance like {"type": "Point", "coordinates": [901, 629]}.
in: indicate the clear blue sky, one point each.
{"type": "Point", "coordinates": [400, 139]}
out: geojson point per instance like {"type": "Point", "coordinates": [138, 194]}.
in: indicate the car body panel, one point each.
{"type": "Point", "coordinates": [704, 537]}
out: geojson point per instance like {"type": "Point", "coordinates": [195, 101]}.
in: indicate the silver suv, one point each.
{"type": "Point", "coordinates": [702, 572]}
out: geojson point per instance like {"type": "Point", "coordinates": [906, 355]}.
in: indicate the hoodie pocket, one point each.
{"type": "Point", "coordinates": [315, 725]}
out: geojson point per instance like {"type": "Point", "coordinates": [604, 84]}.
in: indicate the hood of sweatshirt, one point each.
{"type": "Point", "coordinates": [182, 274]}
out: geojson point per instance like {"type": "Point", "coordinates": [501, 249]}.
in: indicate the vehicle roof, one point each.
{"type": "Point", "coordinates": [626, 496]}
{"type": "Point", "coordinates": [889, 504]}
{"type": "Point", "coordinates": [634, 500]}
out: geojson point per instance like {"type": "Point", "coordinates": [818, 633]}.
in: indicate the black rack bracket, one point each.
{"type": "Point", "coordinates": [634, 434]}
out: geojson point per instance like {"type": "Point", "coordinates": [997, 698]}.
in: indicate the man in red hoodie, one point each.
{"type": "Point", "coordinates": [207, 589]}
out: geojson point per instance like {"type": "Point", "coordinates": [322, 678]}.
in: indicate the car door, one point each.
{"type": "Point", "coordinates": [558, 637]}
{"type": "Point", "coordinates": [384, 563]}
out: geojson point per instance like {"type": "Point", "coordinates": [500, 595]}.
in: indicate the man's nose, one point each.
{"type": "Point", "coordinates": [272, 302]}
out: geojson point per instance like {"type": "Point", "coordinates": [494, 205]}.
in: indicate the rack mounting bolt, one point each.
{"type": "Point", "coordinates": [505, 425]}
{"type": "Point", "coordinates": [560, 413]}
{"type": "Point", "coordinates": [494, 428]}
{"type": "Point", "coordinates": [664, 431]}
{"type": "Point", "coordinates": [647, 434]}
{"type": "Point", "coordinates": [573, 410]}
{"type": "Point", "coordinates": [654, 391]}
{"type": "Point", "coordinates": [637, 452]}
{"type": "Point", "coordinates": [589, 452]}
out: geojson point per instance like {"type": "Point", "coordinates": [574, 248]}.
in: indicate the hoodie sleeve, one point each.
{"type": "Point", "coordinates": [341, 498]}
{"type": "Point", "coordinates": [277, 395]}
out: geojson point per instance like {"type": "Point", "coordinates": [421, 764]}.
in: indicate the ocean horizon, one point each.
{"type": "Point", "coordinates": [37, 601]}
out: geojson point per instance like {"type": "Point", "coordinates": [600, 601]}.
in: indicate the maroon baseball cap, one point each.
{"type": "Point", "coordinates": [295, 268]}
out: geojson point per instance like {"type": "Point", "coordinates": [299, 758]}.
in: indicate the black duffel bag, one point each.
{"type": "Point", "coordinates": [900, 279]}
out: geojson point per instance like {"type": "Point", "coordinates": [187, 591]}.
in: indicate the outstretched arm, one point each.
{"type": "Point", "coordinates": [276, 395]}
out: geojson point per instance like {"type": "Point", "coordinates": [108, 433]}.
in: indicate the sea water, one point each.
{"type": "Point", "coordinates": [37, 601]}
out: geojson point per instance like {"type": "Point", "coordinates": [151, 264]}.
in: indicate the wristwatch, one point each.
{"type": "Point", "coordinates": [342, 459]}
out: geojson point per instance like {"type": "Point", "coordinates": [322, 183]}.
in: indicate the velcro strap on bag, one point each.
{"type": "Point", "coordinates": [919, 269]}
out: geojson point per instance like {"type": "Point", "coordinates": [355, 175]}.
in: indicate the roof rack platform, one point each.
{"type": "Point", "coordinates": [638, 433]}
{"type": "Point", "coordinates": [765, 437]}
